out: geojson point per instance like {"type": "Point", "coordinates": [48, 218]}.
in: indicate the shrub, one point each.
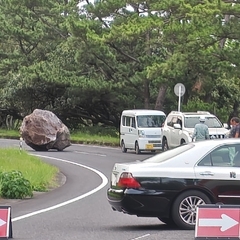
{"type": "Point", "coordinates": [14, 185]}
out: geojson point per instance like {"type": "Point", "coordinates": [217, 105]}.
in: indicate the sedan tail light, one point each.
{"type": "Point", "coordinates": [127, 180]}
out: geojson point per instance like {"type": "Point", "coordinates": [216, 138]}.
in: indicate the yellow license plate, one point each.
{"type": "Point", "coordinates": [149, 146]}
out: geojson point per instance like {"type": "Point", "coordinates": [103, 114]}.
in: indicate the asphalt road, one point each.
{"type": "Point", "coordinates": [78, 210]}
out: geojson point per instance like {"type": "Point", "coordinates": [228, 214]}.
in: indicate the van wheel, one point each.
{"type": "Point", "coordinates": [137, 150]}
{"type": "Point", "coordinates": [165, 145]}
{"type": "Point", "coordinates": [123, 147]}
{"type": "Point", "coordinates": [183, 142]}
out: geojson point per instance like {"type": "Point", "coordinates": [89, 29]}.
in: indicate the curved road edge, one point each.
{"type": "Point", "coordinates": [102, 185]}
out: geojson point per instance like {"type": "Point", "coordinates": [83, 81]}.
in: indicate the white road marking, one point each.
{"type": "Point", "coordinates": [141, 237]}
{"type": "Point", "coordinates": [103, 184]}
{"type": "Point", "coordinates": [95, 154]}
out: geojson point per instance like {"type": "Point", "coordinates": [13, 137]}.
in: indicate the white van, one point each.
{"type": "Point", "coordinates": [141, 130]}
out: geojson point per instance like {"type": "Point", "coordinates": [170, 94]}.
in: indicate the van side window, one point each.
{"type": "Point", "coordinates": [123, 120]}
{"type": "Point", "coordinates": [128, 121]}
{"type": "Point", "coordinates": [133, 122]}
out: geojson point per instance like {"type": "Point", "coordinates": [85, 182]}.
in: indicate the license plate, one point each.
{"type": "Point", "coordinates": [149, 146]}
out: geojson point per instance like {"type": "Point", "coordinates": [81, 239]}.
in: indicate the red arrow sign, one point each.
{"type": "Point", "coordinates": [217, 222]}
{"type": "Point", "coordinates": [4, 222]}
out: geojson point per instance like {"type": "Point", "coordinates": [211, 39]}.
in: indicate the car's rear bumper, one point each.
{"type": "Point", "coordinates": [144, 203]}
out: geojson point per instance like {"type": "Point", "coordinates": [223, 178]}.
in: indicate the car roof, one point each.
{"type": "Point", "coordinates": [198, 113]}
{"type": "Point", "coordinates": [216, 142]}
{"type": "Point", "coordinates": [199, 148]}
{"type": "Point", "coordinates": [143, 112]}
{"type": "Point", "coordinates": [171, 167]}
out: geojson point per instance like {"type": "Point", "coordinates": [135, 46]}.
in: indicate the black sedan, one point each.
{"type": "Point", "coordinates": [170, 185]}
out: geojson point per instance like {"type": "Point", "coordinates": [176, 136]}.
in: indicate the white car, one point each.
{"type": "Point", "coordinates": [140, 130]}
{"type": "Point", "coordinates": [171, 184]}
{"type": "Point", "coordinates": [179, 127]}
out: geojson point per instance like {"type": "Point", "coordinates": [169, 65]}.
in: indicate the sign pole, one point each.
{"type": "Point", "coordinates": [179, 90]}
{"type": "Point", "coordinates": [179, 97]}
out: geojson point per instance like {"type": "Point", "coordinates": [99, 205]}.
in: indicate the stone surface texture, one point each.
{"type": "Point", "coordinates": [43, 130]}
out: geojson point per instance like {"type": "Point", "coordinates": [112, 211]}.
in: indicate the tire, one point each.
{"type": "Point", "coordinates": [185, 207]}
{"type": "Point", "coordinates": [167, 221]}
{"type": "Point", "coordinates": [183, 142]}
{"type": "Point", "coordinates": [165, 145]}
{"type": "Point", "coordinates": [124, 149]}
{"type": "Point", "coordinates": [137, 150]}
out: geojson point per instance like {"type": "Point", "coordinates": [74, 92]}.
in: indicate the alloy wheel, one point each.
{"type": "Point", "coordinates": [188, 208]}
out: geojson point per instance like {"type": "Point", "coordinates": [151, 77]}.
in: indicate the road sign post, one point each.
{"type": "Point", "coordinates": [5, 222]}
{"type": "Point", "coordinates": [179, 90]}
{"type": "Point", "coordinates": [217, 222]}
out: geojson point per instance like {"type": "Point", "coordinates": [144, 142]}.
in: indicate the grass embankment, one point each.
{"type": "Point", "coordinates": [94, 135]}
{"type": "Point", "coordinates": [84, 138]}
{"type": "Point", "coordinates": [4, 133]}
{"type": "Point", "coordinates": [40, 174]}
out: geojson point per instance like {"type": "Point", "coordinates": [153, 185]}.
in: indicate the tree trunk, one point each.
{"type": "Point", "coordinates": [146, 94]}
{"type": "Point", "coordinates": [234, 113]}
{"type": "Point", "coordinates": [146, 81]}
{"type": "Point", "coordinates": [161, 97]}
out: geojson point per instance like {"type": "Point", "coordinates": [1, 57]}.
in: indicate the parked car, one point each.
{"type": "Point", "coordinates": [170, 185]}
{"type": "Point", "coordinates": [140, 130]}
{"type": "Point", "coordinates": [179, 127]}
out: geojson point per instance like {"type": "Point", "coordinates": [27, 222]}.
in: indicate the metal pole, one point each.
{"type": "Point", "coordinates": [21, 143]}
{"type": "Point", "coordinates": [179, 97]}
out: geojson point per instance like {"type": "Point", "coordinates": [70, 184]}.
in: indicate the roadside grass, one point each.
{"type": "Point", "coordinates": [85, 138]}
{"type": "Point", "coordinates": [86, 135]}
{"type": "Point", "coordinates": [5, 133]}
{"type": "Point", "coordinates": [41, 175]}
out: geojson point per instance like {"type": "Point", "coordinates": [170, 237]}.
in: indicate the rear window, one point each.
{"type": "Point", "coordinates": [164, 156]}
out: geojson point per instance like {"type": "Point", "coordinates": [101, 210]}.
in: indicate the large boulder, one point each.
{"type": "Point", "coordinates": [43, 130]}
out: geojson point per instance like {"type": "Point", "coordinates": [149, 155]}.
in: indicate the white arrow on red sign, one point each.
{"type": "Point", "coordinates": [225, 222]}
{"type": "Point", "coordinates": [2, 222]}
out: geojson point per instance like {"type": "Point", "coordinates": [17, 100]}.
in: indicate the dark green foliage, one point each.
{"type": "Point", "coordinates": [15, 186]}
{"type": "Point", "coordinates": [88, 64]}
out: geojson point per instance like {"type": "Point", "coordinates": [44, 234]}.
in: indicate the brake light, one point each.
{"type": "Point", "coordinates": [127, 180]}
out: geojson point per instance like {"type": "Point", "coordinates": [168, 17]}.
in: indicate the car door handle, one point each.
{"type": "Point", "coordinates": [206, 173]}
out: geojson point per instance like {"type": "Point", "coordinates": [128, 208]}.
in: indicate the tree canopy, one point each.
{"type": "Point", "coordinates": [88, 61]}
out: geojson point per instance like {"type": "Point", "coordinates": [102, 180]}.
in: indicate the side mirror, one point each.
{"type": "Point", "coordinates": [225, 125]}
{"type": "Point", "coordinates": [177, 126]}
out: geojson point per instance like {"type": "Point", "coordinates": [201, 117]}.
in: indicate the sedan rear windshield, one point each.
{"type": "Point", "coordinates": [211, 122]}
{"type": "Point", "coordinates": [164, 156]}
